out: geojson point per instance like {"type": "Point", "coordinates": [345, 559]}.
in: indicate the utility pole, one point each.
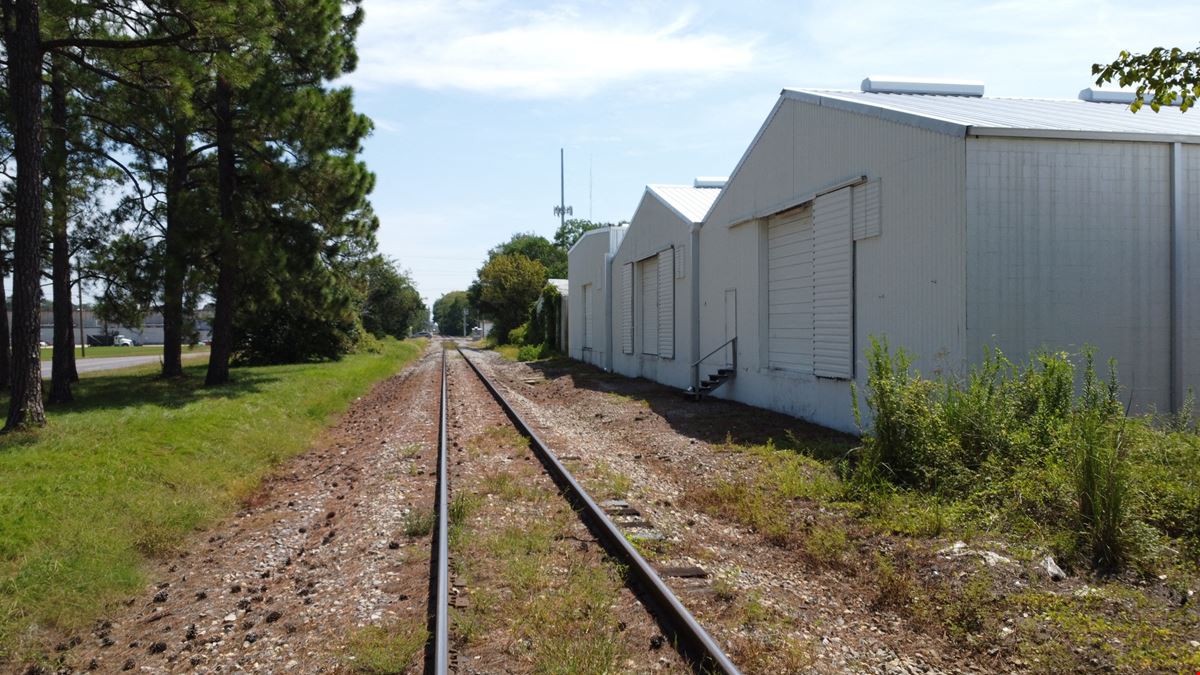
{"type": "Point", "coordinates": [562, 210]}
{"type": "Point", "coordinates": [82, 335]}
{"type": "Point", "coordinates": [464, 323]}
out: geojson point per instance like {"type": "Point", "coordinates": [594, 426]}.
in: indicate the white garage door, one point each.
{"type": "Point", "coordinates": [833, 285]}
{"type": "Point", "coordinates": [627, 308]}
{"type": "Point", "coordinates": [587, 316]}
{"type": "Point", "coordinates": [648, 280]}
{"type": "Point", "coordinates": [666, 304]}
{"type": "Point", "coordinates": [790, 291]}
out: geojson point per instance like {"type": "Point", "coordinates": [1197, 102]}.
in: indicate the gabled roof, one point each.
{"type": "Point", "coordinates": [982, 116]}
{"type": "Point", "coordinates": [689, 203]}
{"type": "Point", "coordinates": [607, 231]}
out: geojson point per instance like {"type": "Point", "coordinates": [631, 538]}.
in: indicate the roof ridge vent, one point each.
{"type": "Point", "coordinates": [1099, 95]}
{"type": "Point", "coordinates": [898, 85]}
{"type": "Point", "coordinates": [710, 181]}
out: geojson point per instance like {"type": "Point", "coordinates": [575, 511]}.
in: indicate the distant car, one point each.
{"type": "Point", "coordinates": [122, 341]}
{"type": "Point", "coordinates": [423, 333]}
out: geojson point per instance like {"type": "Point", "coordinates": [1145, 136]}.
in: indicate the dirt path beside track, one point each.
{"type": "Point", "coordinates": [316, 560]}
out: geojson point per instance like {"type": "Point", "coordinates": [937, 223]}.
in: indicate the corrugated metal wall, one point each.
{"type": "Point", "coordinates": [1190, 275]}
{"type": "Point", "coordinates": [1069, 245]}
{"type": "Point", "coordinates": [909, 281]}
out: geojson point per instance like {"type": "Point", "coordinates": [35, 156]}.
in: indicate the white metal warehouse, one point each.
{"type": "Point", "coordinates": [947, 223]}
{"type": "Point", "coordinates": [589, 287]}
{"type": "Point", "coordinates": [653, 291]}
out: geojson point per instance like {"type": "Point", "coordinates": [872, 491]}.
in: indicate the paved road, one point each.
{"type": "Point", "coordinates": [114, 362]}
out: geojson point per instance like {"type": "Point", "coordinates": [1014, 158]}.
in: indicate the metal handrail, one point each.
{"type": "Point", "coordinates": [696, 365]}
{"type": "Point", "coordinates": [723, 345]}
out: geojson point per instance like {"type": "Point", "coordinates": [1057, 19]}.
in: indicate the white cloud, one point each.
{"type": "Point", "coordinates": [1019, 47]}
{"type": "Point", "coordinates": [562, 52]}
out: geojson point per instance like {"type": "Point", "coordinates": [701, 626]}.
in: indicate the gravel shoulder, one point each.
{"type": "Point", "coordinates": [535, 591]}
{"type": "Point", "coordinates": [773, 604]}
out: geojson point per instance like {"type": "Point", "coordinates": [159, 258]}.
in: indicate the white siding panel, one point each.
{"type": "Point", "coordinates": [626, 301]}
{"type": "Point", "coordinates": [790, 291]}
{"type": "Point", "coordinates": [833, 285]}
{"type": "Point", "coordinates": [666, 304]}
{"type": "Point", "coordinates": [680, 261]}
{"type": "Point", "coordinates": [1069, 245]}
{"type": "Point", "coordinates": [867, 212]}
{"type": "Point", "coordinates": [648, 277]}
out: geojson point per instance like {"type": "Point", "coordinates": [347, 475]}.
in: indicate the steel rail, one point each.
{"type": "Point", "coordinates": [441, 640]}
{"type": "Point", "coordinates": [690, 637]}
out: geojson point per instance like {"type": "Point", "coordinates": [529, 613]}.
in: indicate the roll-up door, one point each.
{"type": "Point", "coordinates": [648, 279]}
{"type": "Point", "coordinates": [790, 291]}
{"type": "Point", "coordinates": [833, 285]}
{"type": "Point", "coordinates": [626, 300]}
{"type": "Point", "coordinates": [587, 316]}
{"type": "Point", "coordinates": [666, 304]}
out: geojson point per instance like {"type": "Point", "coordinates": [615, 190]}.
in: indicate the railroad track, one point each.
{"type": "Point", "coordinates": [694, 644]}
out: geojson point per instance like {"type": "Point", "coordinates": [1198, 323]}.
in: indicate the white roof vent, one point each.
{"type": "Point", "coordinates": [1095, 95]}
{"type": "Point", "coordinates": [896, 85]}
{"type": "Point", "coordinates": [710, 181]}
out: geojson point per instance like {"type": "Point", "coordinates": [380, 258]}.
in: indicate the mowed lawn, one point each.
{"type": "Point", "coordinates": [135, 464]}
{"type": "Point", "coordinates": [103, 352]}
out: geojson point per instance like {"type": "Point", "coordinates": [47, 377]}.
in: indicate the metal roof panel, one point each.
{"type": "Point", "coordinates": [690, 203]}
{"type": "Point", "coordinates": [1070, 116]}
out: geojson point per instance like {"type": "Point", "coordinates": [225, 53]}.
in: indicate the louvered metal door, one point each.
{"type": "Point", "coordinates": [833, 285]}
{"type": "Point", "coordinates": [790, 291]}
{"type": "Point", "coordinates": [666, 304]}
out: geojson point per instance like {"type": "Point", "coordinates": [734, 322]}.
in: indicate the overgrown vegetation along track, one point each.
{"type": "Point", "coordinates": [586, 583]}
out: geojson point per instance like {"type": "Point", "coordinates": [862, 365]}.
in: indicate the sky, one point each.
{"type": "Point", "coordinates": [472, 99]}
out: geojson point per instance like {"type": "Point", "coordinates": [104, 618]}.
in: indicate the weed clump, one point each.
{"type": "Point", "coordinates": [1019, 448]}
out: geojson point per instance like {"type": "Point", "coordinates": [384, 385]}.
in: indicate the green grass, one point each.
{"type": "Point", "coordinates": [104, 352]}
{"type": "Point", "coordinates": [383, 651]}
{"type": "Point", "coordinates": [509, 352]}
{"type": "Point", "coordinates": [135, 464]}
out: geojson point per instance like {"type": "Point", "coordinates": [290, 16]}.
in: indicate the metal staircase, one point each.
{"type": "Point", "coordinates": [714, 380]}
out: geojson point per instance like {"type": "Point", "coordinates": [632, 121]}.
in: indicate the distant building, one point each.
{"type": "Point", "coordinates": [149, 333]}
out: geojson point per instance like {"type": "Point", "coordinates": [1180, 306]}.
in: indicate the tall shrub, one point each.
{"type": "Point", "coordinates": [909, 443]}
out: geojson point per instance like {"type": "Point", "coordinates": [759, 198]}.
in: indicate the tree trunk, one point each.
{"type": "Point", "coordinates": [222, 326]}
{"type": "Point", "coordinates": [176, 265]}
{"type": "Point", "coordinates": [64, 348]}
{"type": "Point", "coordinates": [24, 51]}
{"type": "Point", "coordinates": [5, 351]}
